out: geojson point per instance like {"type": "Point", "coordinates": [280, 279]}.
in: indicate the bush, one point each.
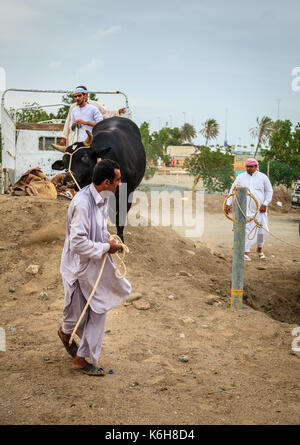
{"type": "Point", "coordinates": [215, 168]}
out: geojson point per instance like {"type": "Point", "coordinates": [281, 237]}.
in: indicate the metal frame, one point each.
{"type": "Point", "coordinates": [59, 92]}
{"type": "Point", "coordinates": [3, 170]}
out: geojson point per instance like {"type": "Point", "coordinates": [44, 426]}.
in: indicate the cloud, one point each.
{"type": "Point", "coordinates": [17, 20]}
{"type": "Point", "coordinates": [102, 33]}
{"type": "Point", "coordinates": [94, 64]}
{"type": "Point", "coordinates": [54, 64]}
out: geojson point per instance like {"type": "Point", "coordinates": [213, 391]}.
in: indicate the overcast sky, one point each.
{"type": "Point", "coordinates": [176, 60]}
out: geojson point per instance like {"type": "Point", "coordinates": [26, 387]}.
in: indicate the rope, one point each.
{"type": "Point", "coordinates": [70, 162]}
{"type": "Point", "coordinates": [234, 193]}
{"type": "Point", "coordinates": [257, 225]}
{"type": "Point", "coordinates": [120, 264]}
{"type": "Point", "coordinates": [76, 130]}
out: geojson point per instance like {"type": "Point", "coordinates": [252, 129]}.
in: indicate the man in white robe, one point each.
{"type": "Point", "coordinates": [68, 134]}
{"type": "Point", "coordinates": [85, 245]}
{"type": "Point", "coordinates": [260, 187]}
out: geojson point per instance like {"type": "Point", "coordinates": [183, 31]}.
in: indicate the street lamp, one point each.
{"type": "Point", "coordinates": [184, 115]}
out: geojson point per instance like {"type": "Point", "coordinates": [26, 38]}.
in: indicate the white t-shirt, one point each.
{"type": "Point", "coordinates": [86, 113]}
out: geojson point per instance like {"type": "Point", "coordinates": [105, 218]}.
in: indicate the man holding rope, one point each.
{"type": "Point", "coordinates": [259, 185]}
{"type": "Point", "coordinates": [86, 244]}
{"type": "Point", "coordinates": [84, 116]}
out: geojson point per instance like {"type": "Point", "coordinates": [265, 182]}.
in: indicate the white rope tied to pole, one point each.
{"type": "Point", "coordinates": [257, 225]}
{"type": "Point", "coordinates": [120, 264]}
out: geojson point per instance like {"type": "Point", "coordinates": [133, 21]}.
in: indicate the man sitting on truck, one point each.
{"type": "Point", "coordinates": [68, 134]}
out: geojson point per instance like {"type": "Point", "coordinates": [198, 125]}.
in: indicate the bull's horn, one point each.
{"type": "Point", "coordinates": [59, 148]}
{"type": "Point", "coordinates": [88, 140]}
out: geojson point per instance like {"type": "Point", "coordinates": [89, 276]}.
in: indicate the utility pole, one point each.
{"type": "Point", "coordinates": [184, 115]}
{"type": "Point", "coordinates": [226, 115]}
{"type": "Point", "coordinates": [158, 123]}
{"type": "Point", "coordinates": [278, 107]}
{"type": "Point", "coordinates": [237, 282]}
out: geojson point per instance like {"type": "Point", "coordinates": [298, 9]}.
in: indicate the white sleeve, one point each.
{"type": "Point", "coordinates": [97, 115]}
{"type": "Point", "coordinates": [67, 126]}
{"type": "Point", "coordinates": [72, 120]}
{"type": "Point", "coordinates": [106, 113]}
{"type": "Point", "coordinates": [268, 191]}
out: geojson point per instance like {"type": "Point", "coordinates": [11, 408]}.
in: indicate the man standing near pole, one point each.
{"type": "Point", "coordinates": [259, 185]}
{"type": "Point", "coordinates": [86, 243]}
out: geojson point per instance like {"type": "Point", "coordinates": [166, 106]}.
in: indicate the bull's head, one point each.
{"type": "Point", "coordinates": [82, 162]}
{"type": "Point", "coordinates": [85, 143]}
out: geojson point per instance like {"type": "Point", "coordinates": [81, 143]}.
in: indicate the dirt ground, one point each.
{"type": "Point", "coordinates": [240, 366]}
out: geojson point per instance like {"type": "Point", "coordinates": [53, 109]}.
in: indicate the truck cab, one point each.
{"type": "Point", "coordinates": [295, 196]}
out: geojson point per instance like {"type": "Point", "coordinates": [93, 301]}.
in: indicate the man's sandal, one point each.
{"type": "Point", "coordinates": [247, 258]}
{"type": "Point", "coordinates": [72, 350]}
{"type": "Point", "coordinates": [91, 370]}
{"type": "Point", "coordinates": [261, 256]}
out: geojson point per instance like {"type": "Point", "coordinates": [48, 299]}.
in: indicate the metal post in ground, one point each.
{"type": "Point", "coordinates": [238, 250]}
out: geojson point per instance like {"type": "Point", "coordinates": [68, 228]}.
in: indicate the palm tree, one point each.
{"type": "Point", "coordinates": [263, 131]}
{"type": "Point", "coordinates": [210, 130]}
{"type": "Point", "coordinates": [188, 132]}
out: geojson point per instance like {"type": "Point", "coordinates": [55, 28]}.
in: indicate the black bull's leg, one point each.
{"type": "Point", "coordinates": [119, 206]}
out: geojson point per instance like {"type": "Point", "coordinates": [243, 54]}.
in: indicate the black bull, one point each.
{"type": "Point", "coordinates": [119, 139]}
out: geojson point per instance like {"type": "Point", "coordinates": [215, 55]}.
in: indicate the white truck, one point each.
{"type": "Point", "coordinates": [295, 196]}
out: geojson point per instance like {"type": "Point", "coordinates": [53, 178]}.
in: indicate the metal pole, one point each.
{"type": "Point", "coordinates": [238, 250]}
{"type": "Point", "coordinates": [278, 107]}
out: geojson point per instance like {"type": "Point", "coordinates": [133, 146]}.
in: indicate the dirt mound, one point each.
{"type": "Point", "coordinates": [281, 201]}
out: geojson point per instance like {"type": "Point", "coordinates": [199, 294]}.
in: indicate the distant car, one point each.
{"type": "Point", "coordinates": [295, 197]}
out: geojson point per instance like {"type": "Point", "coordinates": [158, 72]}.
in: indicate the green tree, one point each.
{"type": "Point", "coordinates": [262, 131]}
{"type": "Point", "coordinates": [283, 154]}
{"type": "Point", "coordinates": [280, 172]}
{"type": "Point", "coordinates": [188, 132]}
{"type": "Point", "coordinates": [156, 144]}
{"type": "Point", "coordinates": [150, 150]}
{"type": "Point", "coordinates": [175, 137]}
{"type": "Point", "coordinates": [284, 144]}
{"type": "Point", "coordinates": [31, 113]}
{"type": "Point", "coordinates": [210, 130]}
{"type": "Point", "coordinates": [214, 167]}
{"type": "Point", "coordinates": [277, 124]}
